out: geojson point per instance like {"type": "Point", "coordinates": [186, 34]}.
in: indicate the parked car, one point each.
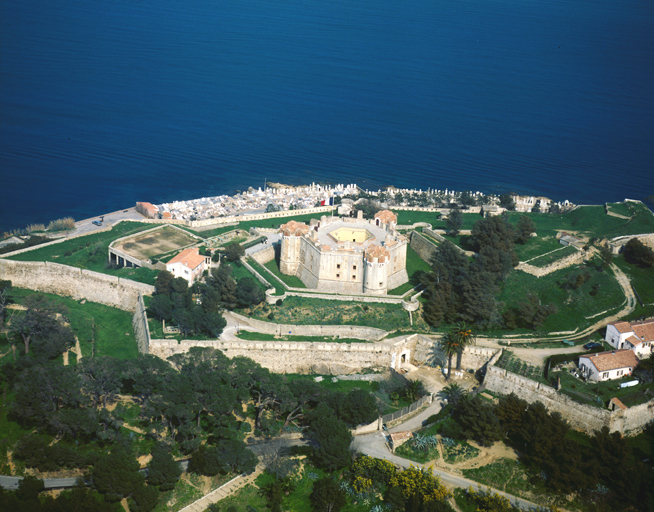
{"type": "Point", "coordinates": [592, 345]}
{"type": "Point", "coordinates": [97, 222]}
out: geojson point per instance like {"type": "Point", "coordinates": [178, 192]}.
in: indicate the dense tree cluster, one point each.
{"type": "Point", "coordinates": [638, 253]}
{"type": "Point", "coordinates": [458, 289]}
{"type": "Point", "coordinates": [174, 302]}
{"type": "Point", "coordinates": [594, 468]}
{"type": "Point", "coordinates": [193, 404]}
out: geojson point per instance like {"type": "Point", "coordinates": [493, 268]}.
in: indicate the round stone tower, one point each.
{"type": "Point", "coordinates": [375, 273]}
{"type": "Point", "coordinates": [292, 233]}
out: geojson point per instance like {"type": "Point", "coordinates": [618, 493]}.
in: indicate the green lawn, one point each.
{"type": "Point", "coordinates": [573, 305]}
{"type": "Point", "coordinates": [239, 271]}
{"type": "Point", "coordinates": [414, 265]}
{"type": "Point", "coordinates": [642, 279]}
{"type": "Point", "coordinates": [291, 281]}
{"type": "Point", "coordinates": [111, 327]}
{"type": "Point", "coordinates": [279, 288]}
{"type": "Point", "coordinates": [91, 252]}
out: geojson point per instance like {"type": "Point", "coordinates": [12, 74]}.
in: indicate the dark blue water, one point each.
{"type": "Point", "coordinates": [106, 103]}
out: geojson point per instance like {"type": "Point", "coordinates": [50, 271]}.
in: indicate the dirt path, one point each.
{"type": "Point", "coordinates": [537, 356]}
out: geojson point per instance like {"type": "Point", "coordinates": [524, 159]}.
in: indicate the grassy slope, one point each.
{"type": "Point", "coordinates": [114, 335]}
{"type": "Point", "coordinates": [90, 252]}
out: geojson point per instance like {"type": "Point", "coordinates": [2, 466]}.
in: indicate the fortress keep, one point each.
{"type": "Point", "coordinates": [343, 255]}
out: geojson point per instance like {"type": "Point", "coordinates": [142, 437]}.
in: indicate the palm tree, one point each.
{"type": "Point", "coordinates": [453, 393]}
{"type": "Point", "coordinates": [450, 345]}
{"type": "Point", "coordinates": [465, 338]}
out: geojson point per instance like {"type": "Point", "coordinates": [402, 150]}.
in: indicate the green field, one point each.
{"type": "Point", "coordinates": [308, 311]}
{"type": "Point", "coordinates": [101, 330]}
{"type": "Point", "coordinates": [573, 305]}
{"type": "Point", "coordinates": [642, 279]}
{"type": "Point", "coordinates": [91, 252]}
{"type": "Point", "coordinates": [414, 265]}
{"type": "Point", "coordinates": [291, 281]}
{"type": "Point", "coordinates": [555, 255]}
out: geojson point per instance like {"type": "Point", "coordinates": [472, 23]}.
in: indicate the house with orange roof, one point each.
{"type": "Point", "coordinates": [613, 364]}
{"type": "Point", "coordinates": [635, 336]}
{"type": "Point", "coordinates": [189, 264]}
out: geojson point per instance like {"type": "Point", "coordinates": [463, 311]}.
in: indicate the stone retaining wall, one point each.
{"type": "Point", "coordinates": [264, 256]}
{"type": "Point", "coordinates": [581, 417]}
{"type": "Point", "coordinates": [423, 247]}
{"type": "Point", "coordinates": [572, 259]}
{"type": "Point", "coordinates": [74, 282]}
{"type": "Point", "coordinates": [141, 327]}
{"type": "Point", "coordinates": [293, 357]}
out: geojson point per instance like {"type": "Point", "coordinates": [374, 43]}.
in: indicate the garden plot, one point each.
{"type": "Point", "coordinates": [154, 243]}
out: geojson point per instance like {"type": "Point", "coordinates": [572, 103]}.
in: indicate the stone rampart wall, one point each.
{"type": "Point", "coordinates": [422, 246]}
{"type": "Point", "coordinates": [141, 327]}
{"type": "Point", "coordinates": [293, 357]}
{"type": "Point", "coordinates": [265, 255]}
{"type": "Point", "coordinates": [74, 282]}
{"type": "Point", "coordinates": [581, 417]}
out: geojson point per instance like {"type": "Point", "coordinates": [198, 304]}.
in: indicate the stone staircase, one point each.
{"type": "Point", "coordinates": [223, 491]}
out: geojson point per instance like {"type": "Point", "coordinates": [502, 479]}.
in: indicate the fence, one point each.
{"type": "Point", "coordinates": [406, 410]}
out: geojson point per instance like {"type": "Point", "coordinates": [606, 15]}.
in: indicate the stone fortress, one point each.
{"type": "Point", "coordinates": [344, 255]}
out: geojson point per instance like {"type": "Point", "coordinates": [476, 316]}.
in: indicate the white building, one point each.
{"type": "Point", "coordinates": [608, 365]}
{"type": "Point", "coordinates": [189, 264]}
{"type": "Point", "coordinates": [636, 336]}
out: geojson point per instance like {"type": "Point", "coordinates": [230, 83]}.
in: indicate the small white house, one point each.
{"type": "Point", "coordinates": [635, 336]}
{"type": "Point", "coordinates": [608, 365]}
{"type": "Point", "coordinates": [188, 264]}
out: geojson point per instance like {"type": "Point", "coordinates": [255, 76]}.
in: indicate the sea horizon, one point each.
{"type": "Point", "coordinates": [104, 105]}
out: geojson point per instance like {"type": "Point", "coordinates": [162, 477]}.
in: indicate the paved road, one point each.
{"type": "Point", "coordinates": [375, 445]}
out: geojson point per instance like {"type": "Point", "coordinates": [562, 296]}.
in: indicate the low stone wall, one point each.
{"type": "Point", "coordinates": [581, 417]}
{"type": "Point", "coordinates": [233, 219]}
{"type": "Point", "coordinates": [74, 282]}
{"type": "Point", "coordinates": [573, 259]}
{"type": "Point", "coordinates": [342, 331]}
{"type": "Point", "coordinates": [141, 327]}
{"type": "Point", "coordinates": [264, 255]}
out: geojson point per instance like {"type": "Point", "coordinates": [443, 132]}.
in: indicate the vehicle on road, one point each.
{"type": "Point", "coordinates": [592, 345]}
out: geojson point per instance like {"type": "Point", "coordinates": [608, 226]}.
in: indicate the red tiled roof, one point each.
{"type": "Point", "coordinates": [190, 258]}
{"type": "Point", "coordinates": [644, 330]}
{"type": "Point", "coordinates": [634, 340]}
{"type": "Point", "coordinates": [606, 361]}
{"type": "Point", "coordinates": [293, 228]}
{"type": "Point", "coordinates": [617, 402]}
{"type": "Point", "coordinates": [377, 251]}
{"type": "Point", "coordinates": [622, 327]}
{"type": "Point", "coordinates": [386, 216]}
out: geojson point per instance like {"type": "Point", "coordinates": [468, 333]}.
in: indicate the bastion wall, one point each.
{"type": "Point", "coordinates": [302, 356]}
{"type": "Point", "coordinates": [74, 282]}
{"type": "Point", "coordinates": [581, 417]}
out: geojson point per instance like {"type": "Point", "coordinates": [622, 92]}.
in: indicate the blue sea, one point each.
{"type": "Point", "coordinates": [103, 104]}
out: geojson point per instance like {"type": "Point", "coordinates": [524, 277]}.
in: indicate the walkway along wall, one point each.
{"type": "Point", "coordinates": [581, 417]}
{"type": "Point", "coordinates": [74, 282]}
{"type": "Point", "coordinates": [141, 327]}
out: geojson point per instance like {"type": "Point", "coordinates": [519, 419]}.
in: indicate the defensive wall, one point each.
{"type": "Point", "coordinates": [428, 352]}
{"type": "Point", "coordinates": [573, 259]}
{"type": "Point", "coordinates": [77, 283]}
{"type": "Point", "coordinates": [580, 416]}
{"type": "Point", "coordinates": [327, 358]}
{"type": "Point", "coordinates": [141, 327]}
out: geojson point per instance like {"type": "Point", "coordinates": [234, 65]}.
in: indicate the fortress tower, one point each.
{"type": "Point", "coordinates": [289, 259]}
{"type": "Point", "coordinates": [344, 255]}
